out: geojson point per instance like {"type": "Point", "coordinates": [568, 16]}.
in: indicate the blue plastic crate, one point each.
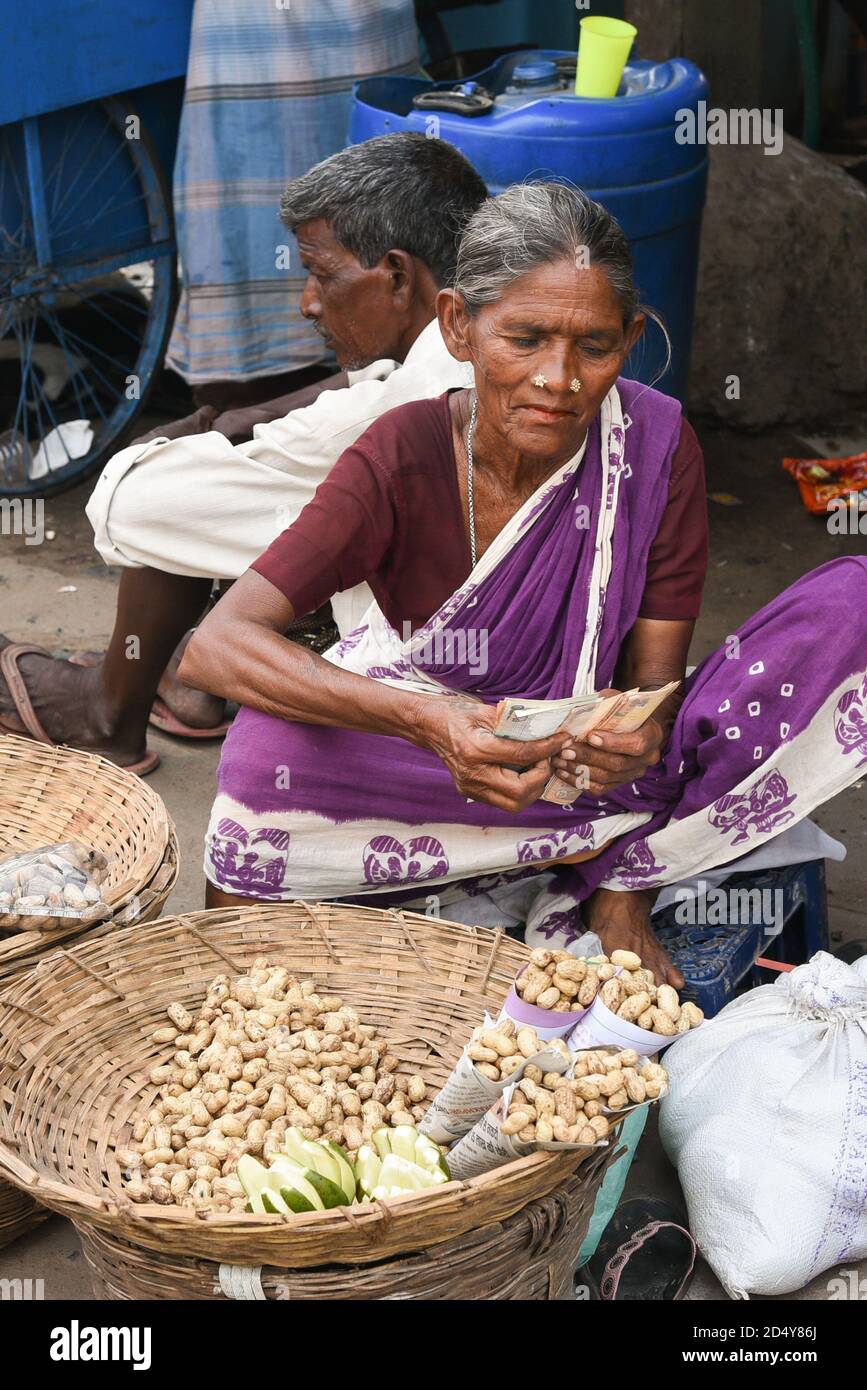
{"type": "Point", "coordinates": [716, 960]}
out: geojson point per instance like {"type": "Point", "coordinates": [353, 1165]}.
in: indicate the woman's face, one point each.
{"type": "Point", "coordinates": [561, 322]}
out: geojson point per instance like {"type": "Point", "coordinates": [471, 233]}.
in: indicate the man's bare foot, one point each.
{"type": "Point", "coordinates": [622, 922]}
{"type": "Point", "coordinates": [70, 704]}
{"type": "Point", "coordinates": [192, 707]}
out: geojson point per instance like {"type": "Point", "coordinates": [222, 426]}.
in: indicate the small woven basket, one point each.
{"type": "Point", "coordinates": [76, 1052]}
{"type": "Point", "coordinates": [55, 794]}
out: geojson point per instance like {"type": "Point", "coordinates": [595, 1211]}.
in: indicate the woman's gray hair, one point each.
{"type": "Point", "coordinates": [535, 224]}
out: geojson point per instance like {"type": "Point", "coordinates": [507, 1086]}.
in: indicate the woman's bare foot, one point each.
{"type": "Point", "coordinates": [622, 922]}
{"type": "Point", "coordinates": [70, 703]}
{"type": "Point", "coordinates": [192, 707]}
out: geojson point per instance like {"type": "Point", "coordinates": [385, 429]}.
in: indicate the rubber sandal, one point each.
{"type": "Point", "coordinates": [10, 672]}
{"type": "Point", "coordinates": [161, 717]}
{"type": "Point", "coordinates": [646, 1254]}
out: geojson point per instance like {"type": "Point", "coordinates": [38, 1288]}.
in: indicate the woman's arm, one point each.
{"type": "Point", "coordinates": [239, 652]}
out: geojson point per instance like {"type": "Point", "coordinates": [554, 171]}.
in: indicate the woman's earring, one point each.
{"type": "Point", "coordinates": [540, 380]}
{"type": "Point", "coordinates": [575, 384]}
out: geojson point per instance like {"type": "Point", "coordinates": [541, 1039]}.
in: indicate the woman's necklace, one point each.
{"type": "Point", "coordinates": [470, 502]}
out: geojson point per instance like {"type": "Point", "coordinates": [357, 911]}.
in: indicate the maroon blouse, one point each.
{"type": "Point", "coordinates": [390, 513]}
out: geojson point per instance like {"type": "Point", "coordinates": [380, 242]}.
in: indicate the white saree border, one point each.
{"type": "Point", "coordinates": [800, 774]}
{"type": "Point", "coordinates": [300, 854]}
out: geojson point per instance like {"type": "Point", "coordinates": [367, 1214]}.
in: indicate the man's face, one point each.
{"type": "Point", "coordinates": [351, 307]}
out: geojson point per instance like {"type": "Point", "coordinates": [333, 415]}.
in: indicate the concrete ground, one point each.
{"type": "Point", "coordinates": [60, 595]}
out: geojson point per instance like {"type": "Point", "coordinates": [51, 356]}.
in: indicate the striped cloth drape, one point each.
{"type": "Point", "coordinates": [268, 95]}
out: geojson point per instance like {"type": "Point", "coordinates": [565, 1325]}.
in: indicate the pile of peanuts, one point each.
{"type": "Point", "coordinates": [571, 1109]}
{"type": "Point", "coordinates": [560, 982]}
{"type": "Point", "coordinates": [634, 996]}
{"type": "Point", "coordinates": [264, 1052]}
{"type": "Point", "coordinates": [499, 1051]}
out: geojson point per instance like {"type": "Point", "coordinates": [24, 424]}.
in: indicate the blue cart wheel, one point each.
{"type": "Point", "coordinates": [88, 275]}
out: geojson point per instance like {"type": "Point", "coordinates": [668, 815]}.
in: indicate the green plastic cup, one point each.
{"type": "Point", "coordinates": [602, 54]}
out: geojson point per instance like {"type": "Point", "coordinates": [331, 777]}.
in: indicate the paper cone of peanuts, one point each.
{"type": "Point", "coordinates": [495, 1057]}
{"type": "Point", "coordinates": [632, 1011]}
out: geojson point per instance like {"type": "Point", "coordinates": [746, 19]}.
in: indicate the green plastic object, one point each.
{"type": "Point", "coordinates": [609, 1194]}
{"type": "Point", "coordinates": [602, 52]}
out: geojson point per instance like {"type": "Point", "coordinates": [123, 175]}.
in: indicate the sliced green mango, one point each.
{"type": "Point", "coordinates": [295, 1200]}
{"type": "Point", "coordinates": [275, 1203]}
{"type": "Point", "coordinates": [367, 1167]}
{"type": "Point", "coordinates": [293, 1147]}
{"type": "Point", "coordinates": [401, 1172]}
{"type": "Point", "coordinates": [430, 1155]}
{"type": "Point", "coordinates": [347, 1173]}
{"type": "Point", "coordinates": [330, 1193]}
{"type": "Point", "coordinates": [403, 1139]}
{"type": "Point", "coordinates": [252, 1174]}
{"type": "Point", "coordinates": [382, 1142]}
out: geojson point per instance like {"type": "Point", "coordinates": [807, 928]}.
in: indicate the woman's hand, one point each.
{"type": "Point", "coordinates": [460, 733]}
{"type": "Point", "coordinates": [608, 760]}
{"type": "Point", "coordinates": [622, 923]}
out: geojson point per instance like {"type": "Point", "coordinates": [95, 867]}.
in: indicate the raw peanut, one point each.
{"type": "Point", "coordinates": [633, 983]}
{"type": "Point", "coordinates": [635, 1006]}
{"type": "Point", "coordinates": [612, 995]}
{"type": "Point", "coordinates": [544, 1131]}
{"type": "Point", "coordinates": [572, 969]}
{"type": "Point", "coordinates": [384, 1089]}
{"type": "Point", "coordinates": [540, 957]}
{"type": "Point", "coordinates": [478, 1053]}
{"type": "Point", "coordinates": [557, 1045]}
{"type": "Point", "coordinates": [417, 1089]}
{"type": "Point", "coordinates": [528, 1041]}
{"type": "Point", "coordinates": [508, 1026]}
{"type": "Point", "coordinates": [487, 1070]}
{"type": "Point", "coordinates": [565, 1105]}
{"type": "Point", "coordinates": [533, 988]}
{"type": "Point", "coordinates": [636, 1089]}
{"type": "Point", "coordinates": [162, 1137]}
{"type": "Point", "coordinates": [592, 1108]}
{"type": "Point", "coordinates": [317, 1110]}
{"type": "Point", "coordinates": [553, 1081]}
{"type": "Point", "coordinates": [533, 1073]}
{"type": "Point", "coordinates": [618, 1100]}
{"type": "Point", "coordinates": [154, 1156]}
{"type": "Point", "coordinates": [646, 1019]}
{"type": "Point", "coordinates": [180, 1184]}
{"type": "Point", "coordinates": [653, 1089]}
{"type": "Point", "coordinates": [668, 1002]}
{"type": "Point", "coordinates": [159, 1075]}
{"type": "Point", "coordinates": [600, 1126]}
{"type": "Point", "coordinates": [611, 1083]}
{"type": "Point", "coordinates": [508, 1065]}
{"type": "Point", "coordinates": [662, 1024]}
{"type": "Point", "coordinates": [549, 998]}
{"type": "Point", "coordinates": [586, 1135]}
{"type": "Point", "coordinates": [128, 1158]}
{"type": "Point", "coordinates": [629, 1057]}
{"type": "Point", "coordinates": [544, 1103]}
{"type": "Point", "coordinates": [139, 1130]}
{"type": "Point", "coordinates": [180, 1017]}
{"type": "Point", "coordinates": [628, 959]}
{"type": "Point", "coordinates": [527, 1135]}
{"type": "Point", "coordinates": [683, 1024]}
{"type": "Point", "coordinates": [587, 1090]}
{"type": "Point", "coordinates": [164, 1035]}
{"type": "Point", "coordinates": [568, 988]}
{"type": "Point", "coordinates": [607, 972]}
{"type": "Point", "coordinates": [589, 986]}
{"type": "Point", "coordinates": [503, 1045]}
{"type": "Point", "coordinates": [693, 1012]}
{"type": "Point", "coordinates": [515, 1121]}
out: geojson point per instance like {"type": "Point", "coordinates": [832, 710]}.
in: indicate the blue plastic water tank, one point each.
{"type": "Point", "coordinates": [622, 151]}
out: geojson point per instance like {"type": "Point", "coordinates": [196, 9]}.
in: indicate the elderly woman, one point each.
{"type": "Point", "coordinates": [541, 533]}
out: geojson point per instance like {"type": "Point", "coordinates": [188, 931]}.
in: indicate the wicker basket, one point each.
{"type": "Point", "coordinates": [76, 1050]}
{"type": "Point", "coordinates": [530, 1255]}
{"type": "Point", "coordinates": [55, 794]}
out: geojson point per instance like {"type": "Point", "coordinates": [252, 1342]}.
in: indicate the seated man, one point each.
{"type": "Point", "coordinates": [377, 226]}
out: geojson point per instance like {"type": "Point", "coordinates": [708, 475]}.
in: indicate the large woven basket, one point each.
{"type": "Point", "coordinates": [76, 1050]}
{"type": "Point", "coordinates": [530, 1255]}
{"type": "Point", "coordinates": [56, 794]}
